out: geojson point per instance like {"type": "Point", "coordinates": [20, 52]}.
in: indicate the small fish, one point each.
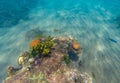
{"type": "Point", "coordinates": [113, 40]}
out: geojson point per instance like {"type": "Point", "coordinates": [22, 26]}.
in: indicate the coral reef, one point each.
{"type": "Point", "coordinates": [47, 62]}
{"type": "Point", "coordinates": [41, 46]}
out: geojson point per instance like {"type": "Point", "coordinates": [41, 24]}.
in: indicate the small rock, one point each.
{"type": "Point", "coordinates": [31, 60]}
{"type": "Point", "coordinates": [28, 68]}
{"type": "Point", "coordinates": [10, 70]}
{"type": "Point", "coordinates": [70, 37]}
{"type": "Point", "coordinates": [21, 60]}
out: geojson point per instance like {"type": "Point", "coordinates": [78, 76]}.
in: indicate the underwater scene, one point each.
{"type": "Point", "coordinates": [94, 24]}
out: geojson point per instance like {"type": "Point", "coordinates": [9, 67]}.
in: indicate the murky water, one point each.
{"type": "Point", "coordinates": [95, 24]}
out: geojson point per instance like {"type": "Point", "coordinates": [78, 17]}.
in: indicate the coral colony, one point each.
{"type": "Point", "coordinates": [47, 61]}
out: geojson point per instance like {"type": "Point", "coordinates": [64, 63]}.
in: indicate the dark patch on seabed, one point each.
{"type": "Point", "coordinates": [117, 21]}
{"type": "Point", "coordinates": [11, 12]}
{"type": "Point", "coordinates": [33, 33]}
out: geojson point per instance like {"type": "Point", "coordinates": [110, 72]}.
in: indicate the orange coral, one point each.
{"type": "Point", "coordinates": [34, 43]}
{"type": "Point", "coordinates": [76, 45]}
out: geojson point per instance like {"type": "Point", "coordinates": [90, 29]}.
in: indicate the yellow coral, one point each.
{"type": "Point", "coordinates": [45, 51]}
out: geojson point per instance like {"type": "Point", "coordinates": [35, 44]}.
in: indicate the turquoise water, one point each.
{"type": "Point", "coordinates": [95, 24]}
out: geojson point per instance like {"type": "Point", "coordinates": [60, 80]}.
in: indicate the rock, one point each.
{"type": "Point", "coordinates": [31, 60]}
{"type": "Point", "coordinates": [10, 70]}
{"type": "Point", "coordinates": [21, 60]}
{"type": "Point", "coordinates": [49, 69]}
